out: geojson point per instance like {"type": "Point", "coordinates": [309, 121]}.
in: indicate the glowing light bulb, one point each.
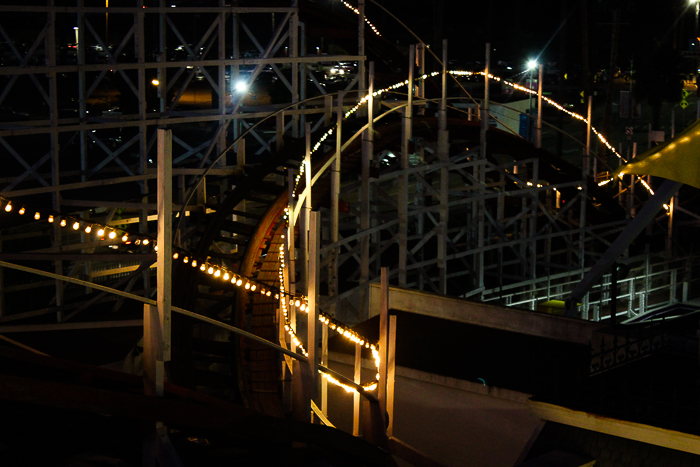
{"type": "Point", "coordinates": [210, 270]}
{"type": "Point", "coordinates": [112, 235]}
{"type": "Point", "coordinates": [88, 229]}
{"type": "Point", "coordinates": [37, 216]}
{"type": "Point", "coordinates": [63, 222]}
{"type": "Point", "coordinates": [253, 287]}
{"type": "Point", "coordinates": [226, 276]}
{"type": "Point", "coordinates": [8, 208]}
{"type": "Point", "coordinates": [239, 282]}
{"type": "Point", "coordinates": [175, 255]}
{"type": "Point", "coordinates": [155, 247]}
{"type": "Point", "coordinates": [268, 293]}
{"type": "Point", "coordinates": [22, 211]}
{"type": "Point", "coordinates": [185, 260]}
{"type": "Point", "coordinates": [50, 219]}
{"type": "Point", "coordinates": [145, 241]}
{"type": "Point", "coordinates": [202, 267]}
{"type": "Point", "coordinates": [217, 273]}
{"type": "Point", "coordinates": [101, 232]}
{"type": "Point", "coordinates": [297, 303]}
{"type": "Point", "coordinates": [76, 225]}
{"type": "Point", "coordinates": [303, 307]}
{"type": "Point", "coordinates": [125, 238]}
{"type": "Point", "coordinates": [247, 285]}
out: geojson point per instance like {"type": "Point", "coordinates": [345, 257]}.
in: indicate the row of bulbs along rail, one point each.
{"type": "Point", "coordinates": [287, 300]}
{"type": "Point", "coordinates": [561, 108]}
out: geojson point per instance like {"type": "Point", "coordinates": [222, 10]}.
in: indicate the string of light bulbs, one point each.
{"type": "Point", "coordinates": [328, 321]}
{"type": "Point", "coordinates": [103, 231]}
{"type": "Point", "coordinates": [357, 12]}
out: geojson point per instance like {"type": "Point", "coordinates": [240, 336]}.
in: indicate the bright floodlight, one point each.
{"type": "Point", "coordinates": [532, 64]}
{"type": "Point", "coordinates": [241, 86]}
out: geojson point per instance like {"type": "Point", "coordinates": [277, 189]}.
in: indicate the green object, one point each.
{"type": "Point", "coordinates": [683, 104]}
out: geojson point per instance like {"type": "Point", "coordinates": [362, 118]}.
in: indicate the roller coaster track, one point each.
{"type": "Point", "coordinates": [258, 203]}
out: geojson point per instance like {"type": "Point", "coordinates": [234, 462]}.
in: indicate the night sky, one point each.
{"type": "Point", "coordinates": [520, 29]}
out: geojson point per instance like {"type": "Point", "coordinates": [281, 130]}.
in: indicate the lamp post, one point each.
{"type": "Point", "coordinates": [531, 65]}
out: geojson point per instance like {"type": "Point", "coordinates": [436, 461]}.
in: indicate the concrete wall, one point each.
{"type": "Point", "coordinates": [455, 422]}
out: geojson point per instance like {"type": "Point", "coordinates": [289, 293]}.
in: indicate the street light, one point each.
{"type": "Point", "coordinates": [531, 65]}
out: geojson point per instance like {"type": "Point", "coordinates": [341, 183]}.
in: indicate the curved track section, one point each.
{"type": "Point", "coordinates": [258, 202]}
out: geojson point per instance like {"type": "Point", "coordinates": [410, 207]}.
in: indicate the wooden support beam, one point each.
{"type": "Point", "coordinates": [391, 374]}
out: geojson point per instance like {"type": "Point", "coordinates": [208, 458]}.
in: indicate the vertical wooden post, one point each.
{"type": "Point", "coordinates": [356, 396]}
{"type": "Point", "coordinates": [291, 253]}
{"type": "Point", "coordinates": [383, 339]}
{"type": "Point", "coordinates": [165, 230]}
{"type": "Point", "coordinates": [312, 324]}
{"type": "Point", "coordinates": [391, 374]}
{"type": "Point", "coordinates": [294, 53]}
{"type": "Point", "coordinates": [444, 156]}
{"type": "Point", "coordinates": [327, 109]}
{"type": "Point", "coordinates": [484, 116]}
{"type": "Point", "coordinates": [140, 53]}
{"type": "Point", "coordinates": [305, 212]}
{"type": "Point", "coordinates": [302, 75]}
{"type": "Point", "coordinates": [153, 364]}
{"type": "Point", "coordinates": [156, 319]}
{"type": "Point", "coordinates": [279, 131]}
{"type": "Point", "coordinates": [324, 362]}
{"type": "Point", "coordinates": [361, 46]}
{"type": "Point", "coordinates": [586, 162]}
{"type": "Point", "coordinates": [367, 156]}
{"type": "Point", "coordinates": [335, 198]}
{"type": "Point", "coordinates": [403, 178]}
{"type": "Point", "coordinates": [50, 44]}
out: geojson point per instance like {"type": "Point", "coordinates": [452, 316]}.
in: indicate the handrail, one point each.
{"type": "Point", "coordinates": [148, 301]}
{"type": "Point", "coordinates": [191, 314]}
